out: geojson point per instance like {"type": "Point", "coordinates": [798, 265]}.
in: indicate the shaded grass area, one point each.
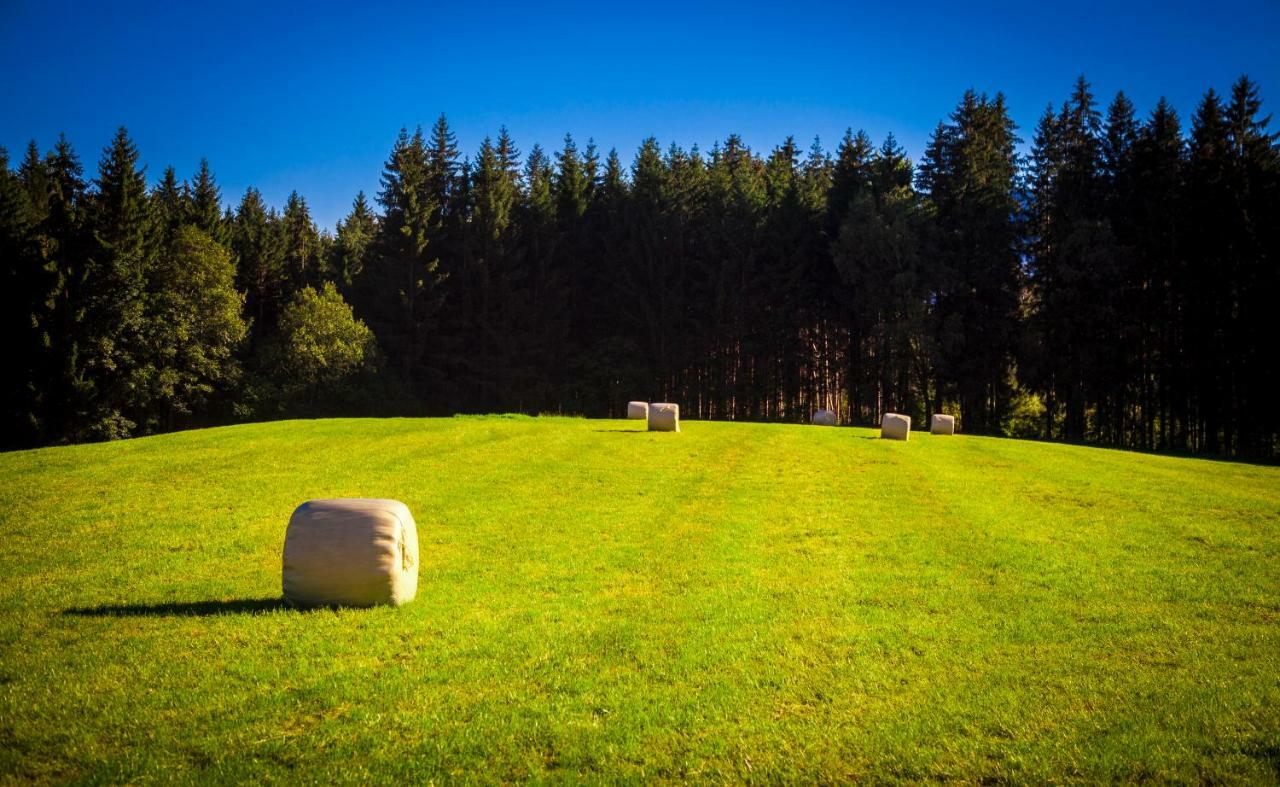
{"type": "Point", "coordinates": [738, 601]}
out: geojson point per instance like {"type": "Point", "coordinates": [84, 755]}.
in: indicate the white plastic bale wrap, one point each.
{"type": "Point", "coordinates": [664, 417]}
{"type": "Point", "coordinates": [824, 417]}
{"type": "Point", "coordinates": [894, 426]}
{"type": "Point", "coordinates": [351, 552]}
{"type": "Point", "coordinates": [942, 424]}
{"type": "Point", "coordinates": [638, 411]}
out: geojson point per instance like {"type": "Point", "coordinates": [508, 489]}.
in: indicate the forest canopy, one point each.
{"type": "Point", "coordinates": [1110, 285]}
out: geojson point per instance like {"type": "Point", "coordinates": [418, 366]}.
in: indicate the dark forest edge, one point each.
{"type": "Point", "coordinates": [1114, 286]}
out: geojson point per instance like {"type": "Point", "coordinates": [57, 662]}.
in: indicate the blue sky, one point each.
{"type": "Point", "coordinates": [311, 97]}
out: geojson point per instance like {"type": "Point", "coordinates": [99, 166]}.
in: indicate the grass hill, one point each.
{"type": "Point", "coordinates": [736, 602]}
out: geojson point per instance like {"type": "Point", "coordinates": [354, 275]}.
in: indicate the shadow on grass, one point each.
{"type": "Point", "coordinates": [623, 431]}
{"type": "Point", "coordinates": [180, 609]}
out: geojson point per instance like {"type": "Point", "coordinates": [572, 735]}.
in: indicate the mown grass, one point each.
{"type": "Point", "coordinates": [736, 602]}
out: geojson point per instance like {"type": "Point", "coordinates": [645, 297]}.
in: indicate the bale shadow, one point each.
{"type": "Point", "coordinates": [182, 609]}
{"type": "Point", "coordinates": [623, 431]}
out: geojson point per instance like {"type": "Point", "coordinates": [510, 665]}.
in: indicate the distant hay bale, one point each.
{"type": "Point", "coordinates": [664, 417]}
{"type": "Point", "coordinates": [824, 417]}
{"type": "Point", "coordinates": [895, 427]}
{"type": "Point", "coordinates": [638, 411]}
{"type": "Point", "coordinates": [942, 424]}
{"type": "Point", "coordinates": [351, 552]}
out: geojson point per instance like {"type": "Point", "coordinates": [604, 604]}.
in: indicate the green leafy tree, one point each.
{"type": "Point", "coordinates": [322, 350]}
{"type": "Point", "coordinates": [196, 328]}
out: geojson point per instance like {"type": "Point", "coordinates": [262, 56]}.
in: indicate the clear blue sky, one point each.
{"type": "Point", "coordinates": [312, 97]}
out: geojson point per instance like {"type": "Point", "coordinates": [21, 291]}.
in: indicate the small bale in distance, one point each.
{"type": "Point", "coordinates": [824, 417]}
{"type": "Point", "coordinates": [350, 552]}
{"type": "Point", "coordinates": [895, 426]}
{"type": "Point", "coordinates": [942, 424]}
{"type": "Point", "coordinates": [664, 417]}
{"type": "Point", "coordinates": [638, 411]}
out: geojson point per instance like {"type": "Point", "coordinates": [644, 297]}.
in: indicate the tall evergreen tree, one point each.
{"type": "Point", "coordinates": [114, 326]}
{"type": "Point", "coordinates": [398, 292]}
{"type": "Point", "coordinates": [169, 206]}
{"type": "Point", "coordinates": [24, 289]}
{"type": "Point", "coordinates": [205, 206]}
{"type": "Point", "coordinates": [257, 243]}
{"type": "Point", "coordinates": [304, 260]}
{"type": "Point", "coordinates": [355, 236]}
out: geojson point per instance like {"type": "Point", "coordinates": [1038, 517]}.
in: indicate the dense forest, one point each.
{"type": "Point", "coordinates": [1111, 285]}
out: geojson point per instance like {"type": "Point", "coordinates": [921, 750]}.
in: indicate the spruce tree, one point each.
{"type": "Point", "coordinates": [168, 205]}
{"type": "Point", "coordinates": [114, 327]}
{"type": "Point", "coordinates": [1211, 271]}
{"type": "Point", "coordinates": [398, 292]}
{"type": "Point", "coordinates": [205, 206]}
{"type": "Point", "coordinates": [304, 262]}
{"type": "Point", "coordinates": [355, 237]}
{"type": "Point", "coordinates": [970, 177]}
{"type": "Point", "coordinates": [257, 245]}
{"type": "Point", "coordinates": [24, 287]}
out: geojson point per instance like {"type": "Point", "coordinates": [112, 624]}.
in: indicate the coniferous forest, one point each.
{"type": "Point", "coordinates": [1110, 283]}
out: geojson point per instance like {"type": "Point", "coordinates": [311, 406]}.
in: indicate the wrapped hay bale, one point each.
{"type": "Point", "coordinates": [824, 417]}
{"type": "Point", "coordinates": [895, 427]}
{"type": "Point", "coordinates": [351, 552]}
{"type": "Point", "coordinates": [942, 424]}
{"type": "Point", "coordinates": [664, 417]}
{"type": "Point", "coordinates": [638, 411]}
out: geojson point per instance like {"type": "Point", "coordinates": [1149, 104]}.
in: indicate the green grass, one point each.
{"type": "Point", "coordinates": [736, 602]}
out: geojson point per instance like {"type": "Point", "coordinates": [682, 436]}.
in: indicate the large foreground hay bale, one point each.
{"type": "Point", "coordinates": [942, 424]}
{"type": "Point", "coordinates": [638, 411]}
{"type": "Point", "coordinates": [664, 417]}
{"type": "Point", "coordinates": [894, 426]}
{"type": "Point", "coordinates": [824, 417]}
{"type": "Point", "coordinates": [351, 552]}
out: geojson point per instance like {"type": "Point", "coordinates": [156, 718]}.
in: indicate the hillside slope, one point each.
{"type": "Point", "coordinates": [735, 601]}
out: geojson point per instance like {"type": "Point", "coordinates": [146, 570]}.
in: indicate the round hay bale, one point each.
{"type": "Point", "coordinates": [824, 417]}
{"type": "Point", "coordinates": [942, 424]}
{"type": "Point", "coordinates": [895, 426]}
{"type": "Point", "coordinates": [664, 417]}
{"type": "Point", "coordinates": [350, 552]}
{"type": "Point", "coordinates": [638, 411]}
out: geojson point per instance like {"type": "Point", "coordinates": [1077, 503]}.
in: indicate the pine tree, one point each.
{"type": "Point", "coordinates": [397, 294]}
{"type": "Point", "coordinates": [57, 188]}
{"type": "Point", "coordinates": [257, 244]}
{"type": "Point", "coordinates": [1211, 271]}
{"type": "Point", "coordinates": [970, 177]}
{"type": "Point", "coordinates": [1254, 185]}
{"type": "Point", "coordinates": [168, 205]}
{"type": "Point", "coordinates": [304, 262]}
{"type": "Point", "coordinates": [205, 206]}
{"type": "Point", "coordinates": [355, 236]}
{"type": "Point", "coordinates": [33, 174]}
{"type": "Point", "coordinates": [115, 326]}
{"type": "Point", "coordinates": [25, 286]}
{"type": "Point", "coordinates": [1159, 164]}
{"type": "Point", "coordinates": [571, 184]}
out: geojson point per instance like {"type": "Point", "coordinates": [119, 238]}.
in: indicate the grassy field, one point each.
{"type": "Point", "coordinates": [736, 602]}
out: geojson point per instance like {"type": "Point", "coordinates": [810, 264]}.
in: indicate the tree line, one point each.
{"type": "Point", "coordinates": [1110, 286]}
